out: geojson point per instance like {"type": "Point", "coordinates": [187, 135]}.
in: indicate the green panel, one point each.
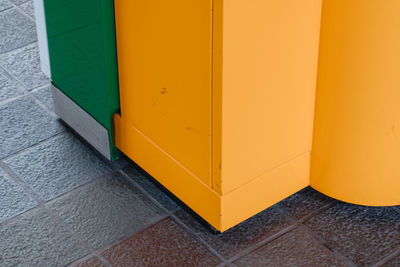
{"type": "Point", "coordinates": [81, 36]}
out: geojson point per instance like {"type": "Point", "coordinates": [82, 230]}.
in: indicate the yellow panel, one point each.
{"type": "Point", "coordinates": [270, 52]}
{"type": "Point", "coordinates": [265, 191]}
{"type": "Point", "coordinates": [356, 148]}
{"type": "Point", "coordinates": [164, 59]}
{"type": "Point", "coordinates": [170, 173]}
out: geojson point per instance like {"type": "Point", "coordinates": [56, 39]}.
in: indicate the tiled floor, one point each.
{"type": "Point", "coordinates": [61, 204]}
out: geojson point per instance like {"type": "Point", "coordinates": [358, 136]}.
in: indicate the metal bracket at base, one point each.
{"type": "Point", "coordinates": [84, 124]}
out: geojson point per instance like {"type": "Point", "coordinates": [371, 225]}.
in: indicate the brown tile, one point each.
{"type": "Point", "coordinates": [233, 241]}
{"type": "Point", "coordinates": [364, 235]}
{"type": "Point", "coordinates": [163, 244]}
{"type": "Point", "coordinates": [305, 202]}
{"type": "Point", "coordinates": [91, 262]}
{"type": "Point", "coordinates": [296, 248]}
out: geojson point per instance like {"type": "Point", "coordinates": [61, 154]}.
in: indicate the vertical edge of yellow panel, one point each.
{"type": "Point", "coordinates": [216, 112]}
{"type": "Point", "coordinates": [170, 173]}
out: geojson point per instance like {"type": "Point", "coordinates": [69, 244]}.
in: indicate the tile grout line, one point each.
{"type": "Point", "coordinates": [18, 47]}
{"type": "Point", "coordinates": [326, 244]}
{"type": "Point", "coordinates": [172, 216]}
{"type": "Point", "coordinates": [31, 146]}
{"type": "Point", "coordinates": [22, 183]}
{"type": "Point", "coordinates": [388, 258]}
{"type": "Point", "coordinates": [21, 10]}
{"type": "Point", "coordinates": [294, 224]}
{"type": "Point", "coordinates": [301, 222]}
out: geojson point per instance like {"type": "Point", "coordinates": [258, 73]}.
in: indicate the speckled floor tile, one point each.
{"type": "Point", "coordinates": [364, 235]}
{"type": "Point", "coordinates": [163, 244]}
{"type": "Point", "coordinates": [91, 262]}
{"type": "Point", "coordinates": [296, 248]}
{"type": "Point", "coordinates": [38, 239]}
{"type": "Point", "coordinates": [151, 188]}
{"type": "Point", "coordinates": [395, 262]}
{"type": "Point", "coordinates": [305, 202]}
{"type": "Point", "coordinates": [5, 4]}
{"type": "Point", "coordinates": [24, 64]}
{"type": "Point", "coordinates": [9, 87]}
{"type": "Point", "coordinates": [106, 210]}
{"type": "Point", "coordinates": [243, 236]}
{"type": "Point", "coordinates": [57, 165]}
{"type": "Point", "coordinates": [44, 95]}
{"type": "Point", "coordinates": [16, 30]}
{"type": "Point", "coordinates": [13, 199]}
{"type": "Point", "coordinates": [23, 123]}
{"type": "Point", "coordinates": [28, 8]}
{"type": "Point", "coordinates": [18, 2]}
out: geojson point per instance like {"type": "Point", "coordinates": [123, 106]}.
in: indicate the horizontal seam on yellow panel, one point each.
{"type": "Point", "coordinates": [267, 172]}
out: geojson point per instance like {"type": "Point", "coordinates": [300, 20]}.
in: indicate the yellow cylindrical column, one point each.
{"type": "Point", "coordinates": [356, 147]}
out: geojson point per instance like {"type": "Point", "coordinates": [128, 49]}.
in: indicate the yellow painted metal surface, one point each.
{"type": "Point", "coordinates": [165, 62]}
{"type": "Point", "coordinates": [217, 99]}
{"type": "Point", "coordinates": [356, 148]}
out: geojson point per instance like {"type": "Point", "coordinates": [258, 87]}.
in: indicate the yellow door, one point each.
{"type": "Point", "coordinates": [164, 59]}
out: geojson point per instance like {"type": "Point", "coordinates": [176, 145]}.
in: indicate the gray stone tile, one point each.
{"type": "Point", "coordinates": [28, 8]}
{"type": "Point", "coordinates": [395, 262]}
{"type": "Point", "coordinates": [241, 237]}
{"type": "Point", "coordinates": [57, 165]}
{"type": "Point", "coordinates": [296, 248]}
{"type": "Point", "coordinates": [106, 210]}
{"type": "Point", "coordinates": [44, 95]}
{"type": "Point", "coordinates": [5, 4]}
{"type": "Point", "coordinates": [18, 2]}
{"type": "Point", "coordinates": [9, 87]}
{"type": "Point", "coordinates": [305, 202]}
{"type": "Point", "coordinates": [16, 30]}
{"type": "Point", "coordinates": [24, 64]}
{"type": "Point", "coordinates": [364, 235]}
{"type": "Point", "coordinates": [151, 188]}
{"type": "Point", "coordinates": [37, 239]}
{"type": "Point", "coordinates": [13, 199]}
{"type": "Point", "coordinates": [162, 244]}
{"type": "Point", "coordinates": [23, 123]}
{"type": "Point", "coordinates": [91, 262]}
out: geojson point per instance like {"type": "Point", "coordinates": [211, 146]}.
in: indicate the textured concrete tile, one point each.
{"type": "Point", "coordinates": [13, 199]}
{"type": "Point", "coordinates": [16, 30]}
{"type": "Point", "coordinates": [9, 87]}
{"type": "Point", "coordinates": [119, 163]}
{"type": "Point", "coordinates": [57, 165]}
{"type": "Point", "coordinates": [296, 248]}
{"type": "Point", "coordinates": [241, 237]}
{"type": "Point", "coordinates": [91, 262]}
{"type": "Point", "coordinates": [37, 239]}
{"type": "Point", "coordinates": [305, 202]}
{"type": "Point", "coordinates": [23, 123]}
{"type": "Point", "coordinates": [106, 210]}
{"type": "Point", "coordinates": [393, 263]}
{"type": "Point", "coordinates": [28, 8]}
{"type": "Point", "coordinates": [24, 64]}
{"type": "Point", "coordinates": [163, 244]}
{"type": "Point", "coordinates": [363, 234]}
{"type": "Point", "coordinates": [18, 2]}
{"type": "Point", "coordinates": [44, 95]}
{"type": "Point", "coordinates": [151, 188]}
{"type": "Point", "coordinates": [5, 4]}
